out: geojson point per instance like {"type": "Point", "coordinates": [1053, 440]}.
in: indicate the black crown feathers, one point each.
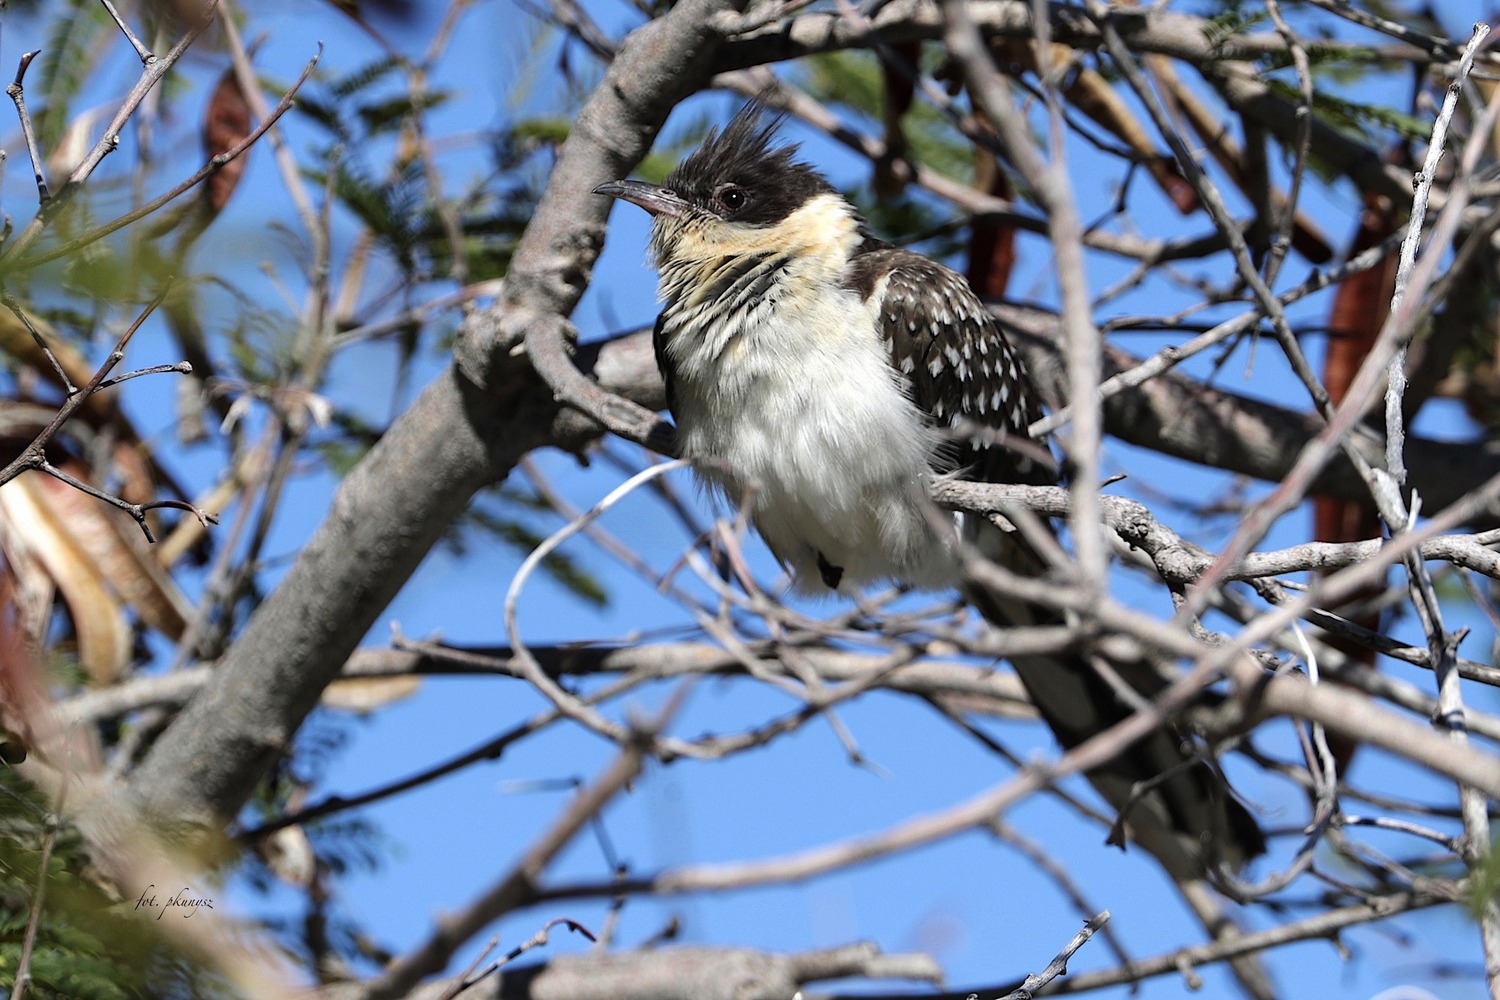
{"type": "Point", "coordinates": [745, 156]}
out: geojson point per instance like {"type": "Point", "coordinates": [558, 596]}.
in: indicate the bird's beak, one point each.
{"type": "Point", "coordinates": [653, 198]}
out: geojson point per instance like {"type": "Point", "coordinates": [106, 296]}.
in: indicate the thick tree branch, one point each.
{"type": "Point", "coordinates": [433, 954]}
{"type": "Point", "coordinates": [1170, 413]}
{"type": "Point", "coordinates": [1224, 60]}
{"type": "Point", "coordinates": [466, 430]}
{"type": "Point", "coordinates": [1155, 30]}
{"type": "Point", "coordinates": [683, 974]}
{"type": "Point", "coordinates": [1179, 416]}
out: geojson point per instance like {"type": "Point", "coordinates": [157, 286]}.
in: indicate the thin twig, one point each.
{"type": "Point", "coordinates": [1442, 646]}
{"type": "Point", "coordinates": [1213, 202]}
{"type": "Point", "coordinates": [1048, 182]}
{"type": "Point", "coordinates": [151, 75]}
{"type": "Point", "coordinates": [15, 307]}
{"type": "Point", "coordinates": [1396, 370]}
{"type": "Point", "coordinates": [135, 43]}
{"type": "Point", "coordinates": [34, 918]}
{"type": "Point", "coordinates": [1323, 926]}
{"type": "Point", "coordinates": [286, 164]}
{"type": "Point", "coordinates": [1282, 240]}
{"type": "Point", "coordinates": [1170, 357]}
{"type": "Point", "coordinates": [34, 455]}
{"type": "Point", "coordinates": [1059, 965]}
{"type": "Point", "coordinates": [17, 92]}
{"type": "Point", "coordinates": [137, 511]}
{"type": "Point", "coordinates": [490, 749]}
{"type": "Point", "coordinates": [518, 885]}
{"type": "Point", "coordinates": [213, 166]}
{"type": "Point", "coordinates": [566, 702]}
{"type": "Point", "coordinates": [537, 940]}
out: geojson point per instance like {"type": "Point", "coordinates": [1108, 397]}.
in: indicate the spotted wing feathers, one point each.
{"type": "Point", "coordinates": [959, 367]}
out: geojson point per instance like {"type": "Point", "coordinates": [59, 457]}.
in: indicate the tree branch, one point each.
{"type": "Point", "coordinates": [465, 431]}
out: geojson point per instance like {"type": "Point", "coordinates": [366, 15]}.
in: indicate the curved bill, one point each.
{"type": "Point", "coordinates": [652, 197]}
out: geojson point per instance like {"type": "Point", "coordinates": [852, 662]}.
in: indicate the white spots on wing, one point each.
{"type": "Point", "coordinates": [948, 348]}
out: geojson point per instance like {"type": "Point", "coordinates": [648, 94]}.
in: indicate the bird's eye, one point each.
{"type": "Point", "coordinates": [731, 196]}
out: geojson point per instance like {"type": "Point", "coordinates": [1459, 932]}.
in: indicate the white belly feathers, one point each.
{"type": "Point", "coordinates": [812, 431]}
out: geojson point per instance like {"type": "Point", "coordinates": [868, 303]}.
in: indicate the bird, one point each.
{"type": "Point", "coordinates": [824, 379]}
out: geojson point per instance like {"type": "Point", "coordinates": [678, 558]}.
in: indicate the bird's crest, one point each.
{"type": "Point", "coordinates": [746, 156]}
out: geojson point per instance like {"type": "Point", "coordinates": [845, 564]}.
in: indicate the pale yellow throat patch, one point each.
{"type": "Point", "coordinates": [820, 235]}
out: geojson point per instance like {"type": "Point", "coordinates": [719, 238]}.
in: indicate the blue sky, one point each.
{"type": "Point", "coordinates": [977, 905]}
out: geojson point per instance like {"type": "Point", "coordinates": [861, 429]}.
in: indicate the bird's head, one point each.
{"type": "Point", "coordinates": [739, 191]}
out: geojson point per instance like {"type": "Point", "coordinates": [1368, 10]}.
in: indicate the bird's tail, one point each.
{"type": "Point", "coordinates": [1171, 802]}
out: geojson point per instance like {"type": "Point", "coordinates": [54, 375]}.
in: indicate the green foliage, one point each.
{"type": "Point", "coordinates": [1354, 117]}
{"type": "Point", "coordinates": [88, 946]}
{"type": "Point", "coordinates": [490, 232]}
{"type": "Point", "coordinates": [1341, 65]}
{"type": "Point", "coordinates": [855, 80]}
{"type": "Point", "coordinates": [355, 82]}
{"type": "Point", "coordinates": [261, 344]}
{"type": "Point", "coordinates": [395, 200]}
{"type": "Point", "coordinates": [547, 130]}
{"type": "Point", "coordinates": [389, 207]}
{"type": "Point", "coordinates": [382, 117]}
{"type": "Point", "coordinates": [70, 967]}
{"type": "Point", "coordinates": [67, 59]}
{"type": "Point", "coordinates": [852, 78]}
{"type": "Point", "coordinates": [1232, 20]}
{"type": "Point", "coordinates": [1345, 66]}
{"type": "Point", "coordinates": [99, 274]}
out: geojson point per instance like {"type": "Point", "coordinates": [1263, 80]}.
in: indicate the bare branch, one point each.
{"type": "Point", "coordinates": [1059, 965]}
{"type": "Point", "coordinates": [213, 166]}
{"type": "Point", "coordinates": [155, 68]}
{"type": "Point", "coordinates": [17, 92]}
{"type": "Point", "coordinates": [1324, 925]}
{"type": "Point", "coordinates": [504, 895]}
{"type": "Point", "coordinates": [34, 455]}
{"type": "Point", "coordinates": [466, 430]}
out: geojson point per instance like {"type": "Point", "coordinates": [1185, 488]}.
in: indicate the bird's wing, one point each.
{"type": "Point", "coordinates": [962, 371]}
{"type": "Point", "coordinates": [664, 362]}
{"type": "Point", "coordinates": [959, 367]}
